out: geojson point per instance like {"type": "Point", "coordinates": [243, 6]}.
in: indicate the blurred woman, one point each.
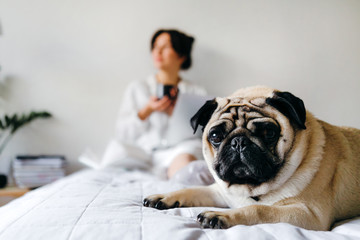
{"type": "Point", "coordinates": [143, 118]}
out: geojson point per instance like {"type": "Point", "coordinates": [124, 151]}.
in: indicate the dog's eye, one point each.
{"type": "Point", "coordinates": [269, 133]}
{"type": "Point", "coordinates": [215, 138]}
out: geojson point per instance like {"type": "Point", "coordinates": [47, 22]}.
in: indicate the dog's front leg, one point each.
{"type": "Point", "coordinates": [208, 196]}
{"type": "Point", "coordinates": [295, 214]}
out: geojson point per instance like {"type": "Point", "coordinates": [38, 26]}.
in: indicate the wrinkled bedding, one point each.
{"type": "Point", "coordinates": [107, 204]}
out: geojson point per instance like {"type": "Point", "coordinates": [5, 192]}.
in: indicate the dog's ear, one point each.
{"type": "Point", "coordinates": [203, 115]}
{"type": "Point", "coordinates": [291, 106]}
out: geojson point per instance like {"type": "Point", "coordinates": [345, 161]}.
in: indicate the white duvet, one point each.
{"type": "Point", "coordinates": [107, 204]}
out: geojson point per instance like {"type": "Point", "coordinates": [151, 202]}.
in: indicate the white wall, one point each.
{"type": "Point", "coordinates": [75, 57]}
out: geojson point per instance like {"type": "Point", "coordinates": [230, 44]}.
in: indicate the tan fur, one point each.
{"type": "Point", "coordinates": [318, 185]}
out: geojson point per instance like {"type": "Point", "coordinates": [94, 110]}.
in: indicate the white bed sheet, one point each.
{"type": "Point", "coordinates": [107, 204]}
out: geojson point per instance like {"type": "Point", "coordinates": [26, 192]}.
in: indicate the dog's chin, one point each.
{"type": "Point", "coordinates": [235, 168]}
{"type": "Point", "coordinates": [241, 175]}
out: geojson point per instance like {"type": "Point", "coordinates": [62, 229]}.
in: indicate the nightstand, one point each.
{"type": "Point", "coordinates": [10, 193]}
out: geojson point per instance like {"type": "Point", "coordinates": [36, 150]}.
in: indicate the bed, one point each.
{"type": "Point", "coordinates": [107, 204]}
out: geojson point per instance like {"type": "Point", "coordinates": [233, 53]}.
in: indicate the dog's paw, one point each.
{"type": "Point", "coordinates": [160, 202]}
{"type": "Point", "coordinates": [216, 220]}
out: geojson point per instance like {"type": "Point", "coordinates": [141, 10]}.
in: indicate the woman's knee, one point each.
{"type": "Point", "coordinates": [179, 162]}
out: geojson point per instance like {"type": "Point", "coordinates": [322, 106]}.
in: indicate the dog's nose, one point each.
{"type": "Point", "coordinates": [239, 143]}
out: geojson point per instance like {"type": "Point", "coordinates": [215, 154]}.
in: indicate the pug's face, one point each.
{"type": "Point", "coordinates": [244, 146]}
{"type": "Point", "coordinates": [248, 135]}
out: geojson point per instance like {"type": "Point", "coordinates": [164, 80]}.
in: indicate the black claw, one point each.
{"type": "Point", "coordinates": [146, 202]}
{"type": "Point", "coordinates": [160, 205]}
{"type": "Point", "coordinates": [200, 217]}
{"type": "Point", "coordinates": [207, 222]}
{"type": "Point", "coordinates": [213, 222]}
{"type": "Point", "coordinates": [177, 204]}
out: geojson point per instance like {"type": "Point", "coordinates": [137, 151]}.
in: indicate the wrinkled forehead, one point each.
{"type": "Point", "coordinates": [253, 97]}
{"type": "Point", "coordinates": [239, 111]}
{"type": "Point", "coordinates": [242, 103]}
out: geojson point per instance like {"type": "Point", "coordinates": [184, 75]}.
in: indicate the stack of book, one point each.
{"type": "Point", "coordinates": [31, 171]}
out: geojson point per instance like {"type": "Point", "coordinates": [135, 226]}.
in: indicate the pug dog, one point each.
{"type": "Point", "coordinates": [273, 162]}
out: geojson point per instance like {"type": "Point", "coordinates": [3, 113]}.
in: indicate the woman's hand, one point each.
{"type": "Point", "coordinates": [157, 105]}
{"type": "Point", "coordinates": [173, 93]}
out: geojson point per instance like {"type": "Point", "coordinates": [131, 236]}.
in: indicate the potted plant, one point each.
{"type": "Point", "coordinates": [9, 125]}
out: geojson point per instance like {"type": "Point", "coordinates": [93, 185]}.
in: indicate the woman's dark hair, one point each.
{"type": "Point", "coordinates": [181, 43]}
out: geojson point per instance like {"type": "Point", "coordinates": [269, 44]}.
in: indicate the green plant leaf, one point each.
{"type": "Point", "coordinates": [7, 121]}
{"type": "Point", "coordinates": [15, 122]}
{"type": "Point", "coordinates": [25, 119]}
